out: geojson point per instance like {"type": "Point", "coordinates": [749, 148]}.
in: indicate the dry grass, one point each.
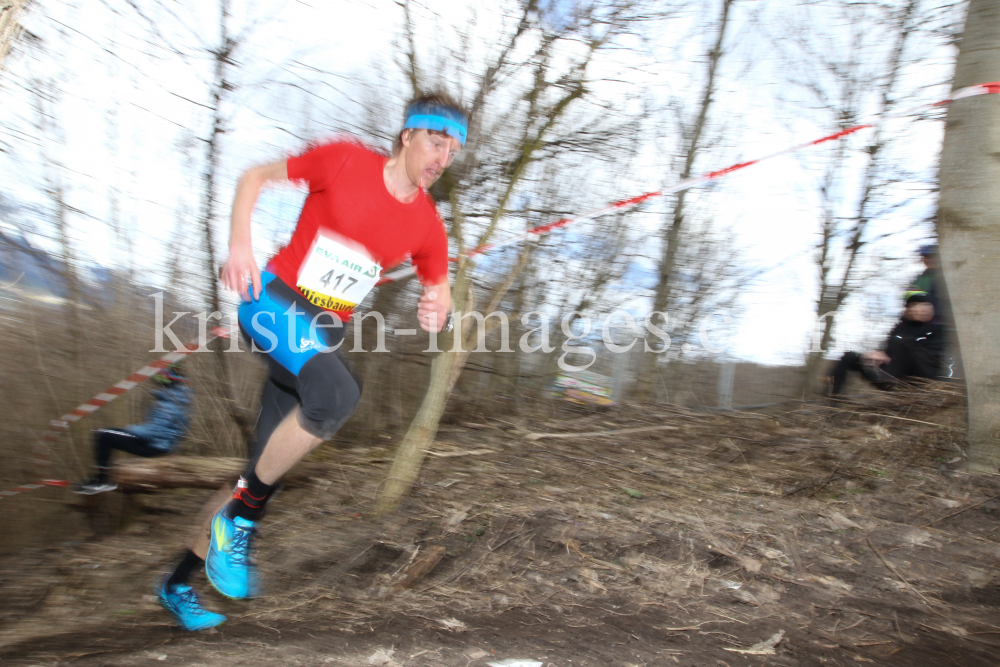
{"type": "Point", "coordinates": [847, 527]}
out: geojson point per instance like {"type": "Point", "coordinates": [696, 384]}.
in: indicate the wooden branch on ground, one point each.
{"type": "Point", "coordinates": [907, 419]}
{"type": "Point", "coordinates": [964, 509]}
{"type": "Point", "coordinates": [463, 452]}
{"type": "Point", "coordinates": [826, 481]}
{"type": "Point", "coordinates": [892, 568]}
{"type": "Point", "coordinates": [421, 567]}
{"type": "Point", "coordinates": [199, 472]}
{"type": "Point", "coordinates": [599, 434]}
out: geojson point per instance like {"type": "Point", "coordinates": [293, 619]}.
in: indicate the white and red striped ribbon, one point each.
{"type": "Point", "coordinates": [31, 487]}
{"type": "Point", "coordinates": [992, 88]}
{"type": "Point", "coordinates": [47, 440]}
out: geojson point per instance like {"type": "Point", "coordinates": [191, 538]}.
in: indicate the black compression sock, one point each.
{"type": "Point", "coordinates": [189, 565]}
{"type": "Point", "coordinates": [249, 499]}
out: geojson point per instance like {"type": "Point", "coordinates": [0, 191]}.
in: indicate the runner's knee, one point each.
{"type": "Point", "coordinates": [329, 395]}
{"type": "Point", "coordinates": [323, 420]}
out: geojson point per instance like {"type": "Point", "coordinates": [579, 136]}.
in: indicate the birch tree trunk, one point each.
{"type": "Point", "coordinates": [969, 227]}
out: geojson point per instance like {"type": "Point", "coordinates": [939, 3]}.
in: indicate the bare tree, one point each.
{"type": "Point", "coordinates": [851, 78]}
{"type": "Point", "coordinates": [692, 133]}
{"type": "Point", "coordinates": [506, 149]}
{"type": "Point", "coordinates": [584, 285]}
{"type": "Point", "coordinates": [968, 228]}
{"type": "Point", "coordinates": [219, 90]}
{"type": "Point", "coordinates": [46, 97]}
{"type": "Point", "coordinates": [221, 87]}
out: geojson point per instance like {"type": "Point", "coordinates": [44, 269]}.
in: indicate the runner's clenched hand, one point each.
{"type": "Point", "coordinates": [240, 266]}
{"type": "Point", "coordinates": [434, 306]}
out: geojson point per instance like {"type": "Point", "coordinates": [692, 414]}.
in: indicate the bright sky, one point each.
{"type": "Point", "coordinates": [112, 73]}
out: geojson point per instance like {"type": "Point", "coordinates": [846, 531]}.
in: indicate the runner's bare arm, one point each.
{"type": "Point", "coordinates": [241, 263]}
{"type": "Point", "coordinates": [434, 306]}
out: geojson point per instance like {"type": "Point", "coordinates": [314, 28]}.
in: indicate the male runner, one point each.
{"type": "Point", "coordinates": [365, 212]}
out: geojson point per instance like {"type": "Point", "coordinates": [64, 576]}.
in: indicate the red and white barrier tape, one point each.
{"type": "Point", "coordinates": [31, 487]}
{"type": "Point", "coordinates": [992, 88]}
{"type": "Point", "coordinates": [47, 440]}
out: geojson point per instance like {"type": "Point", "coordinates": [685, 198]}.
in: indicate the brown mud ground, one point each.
{"type": "Point", "coordinates": [798, 535]}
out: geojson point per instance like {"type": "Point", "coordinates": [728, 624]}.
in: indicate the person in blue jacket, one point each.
{"type": "Point", "coordinates": [166, 425]}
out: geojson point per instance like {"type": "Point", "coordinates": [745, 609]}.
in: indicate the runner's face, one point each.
{"type": "Point", "coordinates": [428, 154]}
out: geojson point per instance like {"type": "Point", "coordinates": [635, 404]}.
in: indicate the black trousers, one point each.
{"type": "Point", "coordinates": [902, 365]}
{"type": "Point", "coordinates": [107, 440]}
{"type": "Point", "coordinates": [325, 391]}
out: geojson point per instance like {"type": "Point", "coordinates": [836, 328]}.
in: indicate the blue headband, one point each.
{"type": "Point", "coordinates": [431, 116]}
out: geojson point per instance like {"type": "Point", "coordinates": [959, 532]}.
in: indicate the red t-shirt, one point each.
{"type": "Point", "coordinates": [348, 197]}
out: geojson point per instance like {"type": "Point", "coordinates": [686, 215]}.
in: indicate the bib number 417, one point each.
{"type": "Point", "coordinates": [329, 277]}
{"type": "Point", "coordinates": [336, 277]}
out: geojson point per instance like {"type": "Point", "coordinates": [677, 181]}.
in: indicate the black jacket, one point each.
{"type": "Point", "coordinates": [916, 349]}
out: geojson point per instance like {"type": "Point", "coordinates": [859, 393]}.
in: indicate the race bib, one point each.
{"type": "Point", "coordinates": [336, 277]}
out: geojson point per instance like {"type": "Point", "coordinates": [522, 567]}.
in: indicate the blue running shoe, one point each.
{"type": "Point", "coordinates": [184, 604]}
{"type": "Point", "coordinates": [228, 564]}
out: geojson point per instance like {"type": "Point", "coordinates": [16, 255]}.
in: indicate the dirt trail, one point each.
{"type": "Point", "coordinates": [795, 536]}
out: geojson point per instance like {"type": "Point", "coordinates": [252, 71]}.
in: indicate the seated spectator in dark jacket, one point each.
{"type": "Point", "coordinates": [165, 426]}
{"type": "Point", "coordinates": [931, 281]}
{"type": "Point", "coordinates": [914, 348]}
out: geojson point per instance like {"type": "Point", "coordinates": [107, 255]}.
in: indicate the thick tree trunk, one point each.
{"type": "Point", "coordinates": [10, 29]}
{"type": "Point", "coordinates": [969, 227]}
